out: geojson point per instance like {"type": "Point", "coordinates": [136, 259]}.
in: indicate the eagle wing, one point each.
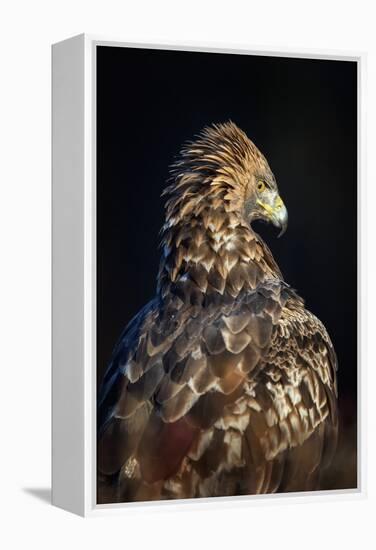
{"type": "Point", "coordinates": [234, 397]}
{"type": "Point", "coordinates": [292, 431]}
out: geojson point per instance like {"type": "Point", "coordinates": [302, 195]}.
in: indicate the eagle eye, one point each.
{"type": "Point", "coordinates": [261, 186]}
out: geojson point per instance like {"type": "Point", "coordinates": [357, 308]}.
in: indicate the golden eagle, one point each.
{"type": "Point", "coordinates": [224, 384]}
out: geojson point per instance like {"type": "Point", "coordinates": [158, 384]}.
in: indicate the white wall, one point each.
{"type": "Point", "coordinates": [27, 30]}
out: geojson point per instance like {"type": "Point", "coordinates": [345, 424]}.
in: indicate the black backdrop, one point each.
{"type": "Point", "coordinates": [301, 113]}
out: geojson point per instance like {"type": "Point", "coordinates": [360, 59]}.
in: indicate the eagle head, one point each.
{"type": "Point", "coordinates": [224, 168]}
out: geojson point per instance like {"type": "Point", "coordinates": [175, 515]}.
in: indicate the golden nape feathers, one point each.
{"type": "Point", "coordinates": [223, 384]}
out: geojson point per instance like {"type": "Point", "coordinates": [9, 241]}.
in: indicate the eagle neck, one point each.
{"type": "Point", "coordinates": [215, 252]}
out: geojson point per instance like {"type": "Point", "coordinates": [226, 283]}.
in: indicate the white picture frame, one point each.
{"type": "Point", "coordinates": [74, 279]}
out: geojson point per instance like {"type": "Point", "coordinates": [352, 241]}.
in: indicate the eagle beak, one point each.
{"type": "Point", "coordinates": [276, 212]}
{"type": "Point", "coordinates": [280, 217]}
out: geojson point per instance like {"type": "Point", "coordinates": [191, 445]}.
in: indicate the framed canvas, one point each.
{"type": "Point", "coordinates": [196, 357]}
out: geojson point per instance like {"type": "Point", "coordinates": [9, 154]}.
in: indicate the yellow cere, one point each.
{"type": "Point", "coordinates": [278, 203]}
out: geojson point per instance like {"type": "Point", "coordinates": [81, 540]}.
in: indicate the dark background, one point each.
{"type": "Point", "coordinates": [302, 114]}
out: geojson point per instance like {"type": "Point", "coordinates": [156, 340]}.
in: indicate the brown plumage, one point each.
{"type": "Point", "coordinates": [224, 384]}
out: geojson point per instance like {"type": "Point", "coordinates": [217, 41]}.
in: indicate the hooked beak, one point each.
{"type": "Point", "coordinates": [276, 213]}
{"type": "Point", "coordinates": [280, 219]}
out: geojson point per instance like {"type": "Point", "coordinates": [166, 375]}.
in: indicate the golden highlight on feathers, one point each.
{"type": "Point", "coordinates": [224, 383]}
{"type": "Point", "coordinates": [215, 167]}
